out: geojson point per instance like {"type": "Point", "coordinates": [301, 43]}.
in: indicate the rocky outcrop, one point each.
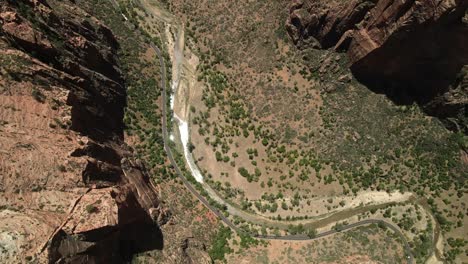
{"type": "Point", "coordinates": [71, 190]}
{"type": "Point", "coordinates": [453, 104]}
{"type": "Point", "coordinates": [191, 251]}
{"type": "Point", "coordinates": [411, 50]}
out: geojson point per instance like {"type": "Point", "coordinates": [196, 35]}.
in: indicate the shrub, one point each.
{"type": "Point", "coordinates": [38, 95]}
{"type": "Point", "coordinates": [219, 156]}
{"type": "Point", "coordinates": [247, 241]}
{"type": "Point", "coordinates": [311, 233]}
{"type": "Point", "coordinates": [220, 246]}
{"type": "Point", "coordinates": [190, 146]}
{"type": "Point", "coordinates": [91, 209]}
{"type": "Point", "coordinates": [62, 168]}
{"type": "Point", "coordinates": [245, 173]}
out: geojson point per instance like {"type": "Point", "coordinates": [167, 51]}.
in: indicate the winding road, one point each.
{"type": "Point", "coordinates": [226, 220]}
{"type": "Point", "coordinates": [220, 215]}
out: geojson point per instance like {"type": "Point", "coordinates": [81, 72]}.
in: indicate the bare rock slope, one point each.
{"type": "Point", "coordinates": [70, 189]}
{"type": "Point", "coordinates": [411, 50]}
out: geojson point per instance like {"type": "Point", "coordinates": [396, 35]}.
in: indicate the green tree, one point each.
{"type": "Point", "coordinates": [312, 233]}
{"type": "Point", "coordinates": [220, 246]}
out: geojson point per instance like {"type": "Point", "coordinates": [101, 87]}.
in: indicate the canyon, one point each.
{"type": "Point", "coordinates": [412, 51]}
{"type": "Point", "coordinates": [299, 131]}
{"type": "Point", "coordinates": [72, 190]}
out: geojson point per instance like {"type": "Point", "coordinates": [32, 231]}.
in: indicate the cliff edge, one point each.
{"type": "Point", "coordinates": [71, 189]}
{"type": "Point", "coordinates": [413, 51]}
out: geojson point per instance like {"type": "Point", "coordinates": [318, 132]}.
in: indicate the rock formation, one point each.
{"type": "Point", "coordinates": [411, 50]}
{"type": "Point", "coordinates": [71, 190]}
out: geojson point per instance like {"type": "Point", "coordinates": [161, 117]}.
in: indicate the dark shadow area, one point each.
{"type": "Point", "coordinates": [138, 238]}
{"type": "Point", "coordinates": [423, 67]}
{"type": "Point", "coordinates": [101, 173]}
{"type": "Point", "coordinates": [115, 244]}
{"type": "Point", "coordinates": [92, 107]}
{"type": "Point", "coordinates": [98, 151]}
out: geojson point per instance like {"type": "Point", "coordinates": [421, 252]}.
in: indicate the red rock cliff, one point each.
{"type": "Point", "coordinates": [71, 190]}
{"type": "Point", "coordinates": [408, 49]}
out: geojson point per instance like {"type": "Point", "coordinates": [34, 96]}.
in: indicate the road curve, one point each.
{"type": "Point", "coordinates": [220, 215]}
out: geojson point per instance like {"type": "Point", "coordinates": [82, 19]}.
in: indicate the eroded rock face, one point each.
{"type": "Point", "coordinates": [452, 105]}
{"type": "Point", "coordinates": [71, 190]}
{"type": "Point", "coordinates": [411, 50]}
{"type": "Point", "coordinates": [192, 251]}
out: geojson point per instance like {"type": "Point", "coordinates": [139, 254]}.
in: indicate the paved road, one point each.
{"type": "Point", "coordinates": [220, 215]}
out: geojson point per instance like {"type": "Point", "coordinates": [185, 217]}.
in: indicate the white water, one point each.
{"type": "Point", "coordinates": [183, 125]}
{"type": "Point", "coordinates": [174, 89]}
{"type": "Point", "coordinates": [184, 137]}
